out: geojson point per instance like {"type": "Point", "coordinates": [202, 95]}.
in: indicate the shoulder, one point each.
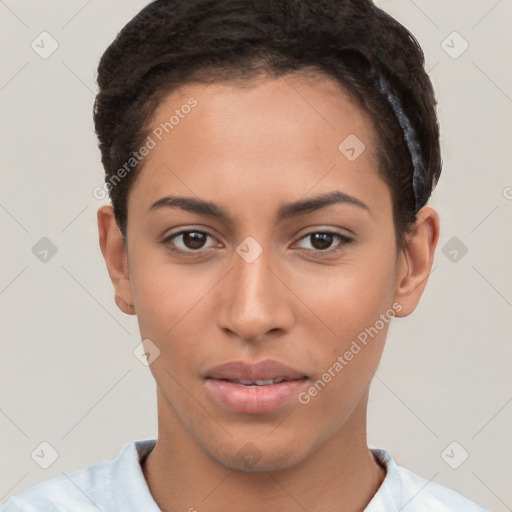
{"type": "Point", "coordinates": [86, 489]}
{"type": "Point", "coordinates": [59, 493]}
{"type": "Point", "coordinates": [423, 494]}
{"type": "Point", "coordinates": [77, 489]}
{"type": "Point", "coordinates": [411, 493]}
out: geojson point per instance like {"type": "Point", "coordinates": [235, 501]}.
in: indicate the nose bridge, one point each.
{"type": "Point", "coordinates": [254, 302]}
{"type": "Point", "coordinates": [252, 274]}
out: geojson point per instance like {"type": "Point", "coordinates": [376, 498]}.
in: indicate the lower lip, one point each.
{"type": "Point", "coordinates": [254, 399]}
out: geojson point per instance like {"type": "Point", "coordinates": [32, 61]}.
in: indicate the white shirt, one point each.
{"type": "Point", "coordinates": [119, 485]}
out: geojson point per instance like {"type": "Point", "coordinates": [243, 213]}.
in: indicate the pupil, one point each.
{"type": "Point", "coordinates": [324, 239]}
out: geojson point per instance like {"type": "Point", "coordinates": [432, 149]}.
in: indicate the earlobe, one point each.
{"type": "Point", "coordinates": [416, 260]}
{"type": "Point", "coordinates": [114, 252]}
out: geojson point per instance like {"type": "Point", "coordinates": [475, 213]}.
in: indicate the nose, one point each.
{"type": "Point", "coordinates": [255, 300]}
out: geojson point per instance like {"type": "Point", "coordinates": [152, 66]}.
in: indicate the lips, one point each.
{"type": "Point", "coordinates": [258, 388]}
{"type": "Point", "coordinates": [257, 382]}
{"type": "Point", "coordinates": [260, 374]}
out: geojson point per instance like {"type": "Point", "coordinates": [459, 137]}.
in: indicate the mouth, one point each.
{"type": "Point", "coordinates": [254, 388]}
{"type": "Point", "coordinates": [260, 382]}
{"type": "Point", "coordinates": [260, 373]}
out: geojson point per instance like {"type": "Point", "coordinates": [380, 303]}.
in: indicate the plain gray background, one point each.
{"type": "Point", "coordinates": [68, 373]}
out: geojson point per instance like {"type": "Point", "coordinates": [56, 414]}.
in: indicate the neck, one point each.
{"type": "Point", "coordinates": [342, 474]}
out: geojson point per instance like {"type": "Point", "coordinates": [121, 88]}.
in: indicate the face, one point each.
{"type": "Point", "coordinates": [256, 279]}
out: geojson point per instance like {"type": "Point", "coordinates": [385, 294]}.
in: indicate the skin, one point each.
{"type": "Point", "coordinates": [251, 149]}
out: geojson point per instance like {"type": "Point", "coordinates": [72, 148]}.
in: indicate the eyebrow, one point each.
{"type": "Point", "coordinates": [287, 211]}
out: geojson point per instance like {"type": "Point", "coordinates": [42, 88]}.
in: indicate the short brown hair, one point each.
{"type": "Point", "coordinates": [375, 58]}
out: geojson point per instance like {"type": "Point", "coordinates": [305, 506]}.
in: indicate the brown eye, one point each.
{"type": "Point", "coordinates": [322, 241]}
{"type": "Point", "coordinates": [187, 241]}
{"type": "Point", "coordinates": [194, 239]}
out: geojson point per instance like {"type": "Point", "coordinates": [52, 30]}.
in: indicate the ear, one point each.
{"type": "Point", "coordinates": [114, 251]}
{"type": "Point", "coordinates": [415, 260]}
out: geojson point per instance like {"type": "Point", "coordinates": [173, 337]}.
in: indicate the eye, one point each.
{"type": "Point", "coordinates": [187, 241]}
{"type": "Point", "coordinates": [322, 240]}
{"type": "Point", "coordinates": [193, 241]}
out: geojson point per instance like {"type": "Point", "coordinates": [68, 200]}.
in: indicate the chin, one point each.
{"type": "Point", "coordinates": [257, 457]}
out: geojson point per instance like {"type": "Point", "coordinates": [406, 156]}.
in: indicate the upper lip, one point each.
{"type": "Point", "coordinates": [263, 370]}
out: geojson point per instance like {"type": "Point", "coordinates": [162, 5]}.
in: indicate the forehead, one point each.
{"type": "Point", "coordinates": [286, 135]}
{"type": "Point", "coordinates": [303, 105]}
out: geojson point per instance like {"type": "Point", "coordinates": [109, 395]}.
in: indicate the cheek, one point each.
{"type": "Point", "coordinates": [351, 297]}
{"type": "Point", "coordinates": [171, 303]}
{"type": "Point", "coordinates": [345, 361]}
{"type": "Point", "coordinates": [355, 308]}
{"type": "Point", "coordinates": [162, 292]}
{"type": "Point", "coordinates": [159, 300]}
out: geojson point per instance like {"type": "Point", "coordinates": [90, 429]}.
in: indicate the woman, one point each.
{"type": "Point", "coordinates": [269, 165]}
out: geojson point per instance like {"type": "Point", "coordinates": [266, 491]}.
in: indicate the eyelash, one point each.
{"type": "Point", "coordinates": [345, 241]}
